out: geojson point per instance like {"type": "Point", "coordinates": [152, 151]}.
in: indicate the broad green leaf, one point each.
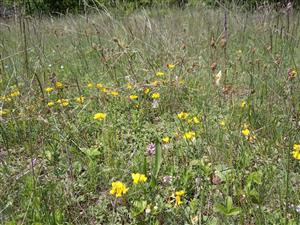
{"type": "Point", "coordinates": [138, 207]}
{"type": "Point", "coordinates": [234, 212]}
{"type": "Point", "coordinates": [91, 152]}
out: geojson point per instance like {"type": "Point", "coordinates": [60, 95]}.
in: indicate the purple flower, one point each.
{"type": "Point", "coordinates": [33, 162]}
{"type": "Point", "coordinates": [150, 149]}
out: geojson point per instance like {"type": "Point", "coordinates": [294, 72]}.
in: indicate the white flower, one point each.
{"type": "Point", "coordinates": [148, 210]}
{"type": "Point", "coordinates": [155, 104]}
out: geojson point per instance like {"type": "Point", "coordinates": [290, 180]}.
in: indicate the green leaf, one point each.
{"type": "Point", "coordinates": [254, 178]}
{"type": "Point", "coordinates": [228, 209]}
{"type": "Point", "coordinates": [254, 195]}
{"type": "Point", "coordinates": [138, 207]}
{"type": "Point", "coordinates": [234, 211]}
{"type": "Point", "coordinates": [229, 203]}
{"type": "Point", "coordinates": [220, 208]}
{"type": "Point", "coordinates": [91, 152]}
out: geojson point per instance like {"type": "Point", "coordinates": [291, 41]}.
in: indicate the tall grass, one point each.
{"type": "Point", "coordinates": [58, 163]}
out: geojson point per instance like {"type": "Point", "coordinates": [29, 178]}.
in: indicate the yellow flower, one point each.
{"type": "Point", "coordinates": [155, 95]}
{"type": "Point", "coordinates": [189, 135]}
{"type": "Point", "coordinates": [3, 112]}
{"type": "Point", "coordinates": [15, 93]}
{"type": "Point", "coordinates": [160, 74]}
{"type": "Point", "coordinates": [296, 147]}
{"type": "Point", "coordinates": [90, 85]}
{"type": "Point", "coordinates": [100, 116]}
{"type": "Point", "coordinates": [181, 82]}
{"type": "Point", "coordinates": [59, 84]}
{"type": "Point", "coordinates": [5, 99]}
{"type": "Point", "coordinates": [147, 90]}
{"type": "Point", "coordinates": [155, 83]}
{"type": "Point", "coordinates": [178, 200]}
{"type": "Point", "coordinates": [222, 123]}
{"type": "Point", "coordinates": [196, 120]}
{"type": "Point", "coordinates": [99, 85]}
{"type": "Point", "coordinates": [296, 152]}
{"type": "Point", "coordinates": [243, 104]}
{"type": "Point", "coordinates": [50, 104]}
{"type": "Point", "coordinates": [296, 155]}
{"type": "Point", "coordinates": [80, 99]}
{"type": "Point", "coordinates": [104, 90]}
{"type": "Point", "coordinates": [138, 178]}
{"type": "Point", "coordinates": [170, 66]}
{"type": "Point", "coordinates": [133, 97]}
{"type": "Point", "coordinates": [166, 140]}
{"type": "Point", "coordinates": [129, 86]}
{"type": "Point", "coordinates": [49, 89]}
{"type": "Point", "coordinates": [182, 115]}
{"type": "Point", "coordinates": [114, 93]}
{"type": "Point", "coordinates": [118, 189]}
{"type": "Point", "coordinates": [246, 132]}
{"type": "Point", "coordinates": [63, 102]}
{"type": "Point", "coordinates": [180, 193]}
{"type": "Point", "coordinates": [292, 73]}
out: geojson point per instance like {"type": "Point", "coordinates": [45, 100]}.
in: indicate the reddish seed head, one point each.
{"type": "Point", "coordinates": [213, 66]}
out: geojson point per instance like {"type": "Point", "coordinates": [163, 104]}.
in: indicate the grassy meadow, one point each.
{"type": "Point", "coordinates": [163, 116]}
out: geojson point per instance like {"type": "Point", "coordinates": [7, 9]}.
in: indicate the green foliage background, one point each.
{"type": "Point", "coordinates": [64, 6]}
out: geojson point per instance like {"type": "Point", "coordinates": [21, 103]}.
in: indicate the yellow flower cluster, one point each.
{"type": "Point", "coordinates": [182, 115]}
{"type": "Point", "coordinates": [99, 85]}
{"type": "Point", "coordinates": [243, 104]}
{"type": "Point", "coordinates": [296, 151]}
{"type": "Point", "coordinates": [102, 88]}
{"type": "Point", "coordinates": [189, 135]}
{"type": "Point", "coordinates": [15, 93]}
{"type": "Point", "coordinates": [155, 95]}
{"type": "Point", "coordinates": [170, 66]}
{"type": "Point", "coordinates": [166, 140]}
{"type": "Point", "coordinates": [133, 97]}
{"type": "Point", "coordinates": [246, 132]}
{"type": "Point", "coordinates": [3, 112]}
{"type": "Point", "coordinates": [100, 116]}
{"type": "Point", "coordinates": [5, 99]}
{"type": "Point", "coordinates": [178, 196]}
{"type": "Point", "coordinates": [160, 74]}
{"type": "Point", "coordinates": [147, 90]}
{"type": "Point", "coordinates": [138, 178]}
{"type": "Point", "coordinates": [50, 104]}
{"type": "Point", "coordinates": [62, 102]}
{"type": "Point", "coordinates": [114, 93]}
{"type": "Point", "coordinates": [59, 84]}
{"type": "Point", "coordinates": [80, 99]}
{"type": "Point", "coordinates": [118, 189]}
{"type": "Point", "coordinates": [49, 89]}
{"type": "Point", "coordinates": [90, 85]}
{"type": "Point", "coordinates": [194, 120]}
